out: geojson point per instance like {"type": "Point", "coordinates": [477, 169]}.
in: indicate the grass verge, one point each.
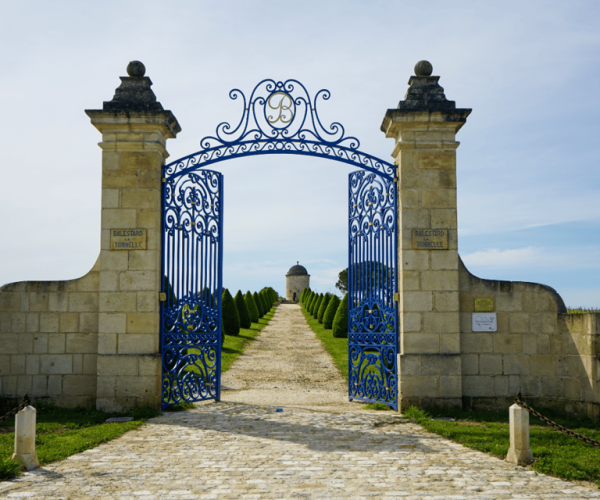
{"type": "Point", "coordinates": [61, 432]}
{"type": "Point", "coordinates": [234, 345]}
{"type": "Point", "coordinates": [338, 348]}
{"type": "Point", "coordinates": [555, 454]}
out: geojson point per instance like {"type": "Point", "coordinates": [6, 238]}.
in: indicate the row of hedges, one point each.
{"type": "Point", "coordinates": [328, 309]}
{"type": "Point", "coordinates": [241, 311]}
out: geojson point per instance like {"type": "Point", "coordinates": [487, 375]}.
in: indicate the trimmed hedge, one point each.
{"type": "Point", "coordinates": [251, 306]}
{"type": "Point", "coordinates": [231, 317]}
{"type": "Point", "coordinates": [309, 299]}
{"type": "Point", "coordinates": [323, 307]}
{"type": "Point", "coordinates": [340, 321]}
{"type": "Point", "coordinates": [242, 310]}
{"type": "Point", "coordinates": [315, 308]}
{"type": "Point", "coordinates": [259, 305]}
{"type": "Point", "coordinates": [332, 308]}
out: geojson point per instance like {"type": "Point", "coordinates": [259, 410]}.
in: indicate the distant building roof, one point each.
{"type": "Point", "coordinates": [297, 270]}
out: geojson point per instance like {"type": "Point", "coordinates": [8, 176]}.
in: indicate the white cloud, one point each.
{"type": "Point", "coordinates": [533, 257]}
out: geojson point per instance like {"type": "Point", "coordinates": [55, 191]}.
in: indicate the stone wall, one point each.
{"type": "Point", "coordinates": [97, 338]}
{"type": "Point", "coordinates": [295, 284]}
{"type": "Point", "coordinates": [538, 349]}
{"type": "Point", "coordinates": [49, 339]}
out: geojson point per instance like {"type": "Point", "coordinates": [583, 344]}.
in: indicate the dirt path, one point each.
{"type": "Point", "coordinates": [287, 366]}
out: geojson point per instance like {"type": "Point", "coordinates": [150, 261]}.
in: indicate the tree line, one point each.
{"type": "Point", "coordinates": [327, 309]}
{"type": "Point", "coordinates": [242, 310]}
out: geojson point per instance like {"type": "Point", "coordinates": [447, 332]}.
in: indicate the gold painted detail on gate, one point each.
{"type": "Point", "coordinates": [430, 239]}
{"type": "Point", "coordinates": [128, 239]}
{"type": "Point", "coordinates": [283, 105]}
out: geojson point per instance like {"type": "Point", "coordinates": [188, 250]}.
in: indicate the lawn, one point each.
{"type": "Point", "coordinates": [338, 348]}
{"type": "Point", "coordinates": [61, 432]}
{"type": "Point", "coordinates": [555, 454]}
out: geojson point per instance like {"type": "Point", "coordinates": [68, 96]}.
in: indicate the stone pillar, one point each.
{"type": "Point", "coordinates": [134, 129]}
{"type": "Point", "coordinates": [424, 127]}
{"type": "Point", "coordinates": [25, 439]}
{"type": "Point", "coordinates": [519, 452]}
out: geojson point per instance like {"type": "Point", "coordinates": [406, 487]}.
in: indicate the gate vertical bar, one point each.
{"type": "Point", "coordinates": [191, 313]}
{"type": "Point", "coordinates": [372, 278]}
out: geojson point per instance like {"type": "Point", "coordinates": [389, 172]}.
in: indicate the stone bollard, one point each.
{"type": "Point", "coordinates": [519, 452]}
{"type": "Point", "coordinates": [25, 439]}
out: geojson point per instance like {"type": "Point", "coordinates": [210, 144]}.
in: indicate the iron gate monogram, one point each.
{"type": "Point", "coordinates": [278, 118]}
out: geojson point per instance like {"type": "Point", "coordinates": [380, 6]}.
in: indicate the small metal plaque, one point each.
{"type": "Point", "coordinates": [485, 322]}
{"type": "Point", "coordinates": [430, 239]}
{"type": "Point", "coordinates": [484, 305]}
{"type": "Point", "coordinates": [128, 239]}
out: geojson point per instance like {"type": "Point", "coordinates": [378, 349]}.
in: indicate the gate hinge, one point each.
{"type": "Point", "coordinates": [163, 180]}
{"type": "Point", "coordinates": [162, 297]}
{"type": "Point", "coordinates": [396, 180]}
{"type": "Point", "coordinates": [396, 297]}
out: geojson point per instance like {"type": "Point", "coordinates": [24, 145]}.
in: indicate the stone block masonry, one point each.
{"type": "Point", "coordinates": [424, 127]}
{"type": "Point", "coordinates": [97, 338]}
{"type": "Point", "coordinates": [49, 339]}
{"type": "Point", "coordinates": [538, 349]}
{"type": "Point", "coordinates": [134, 131]}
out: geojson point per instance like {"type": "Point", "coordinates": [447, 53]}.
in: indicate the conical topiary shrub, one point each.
{"type": "Point", "coordinates": [323, 307]}
{"type": "Point", "coordinates": [259, 305]}
{"type": "Point", "coordinates": [231, 317]}
{"type": "Point", "coordinates": [315, 308]}
{"type": "Point", "coordinates": [267, 301]}
{"type": "Point", "coordinates": [302, 295]}
{"type": "Point", "coordinates": [240, 303]}
{"type": "Point", "coordinates": [340, 322]}
{"type": "Point", "coordinates": [251, 306]}
{"type": "Point", "coordinates": [307, 299]}
{"type": "Point", "coordinates": [263, 300]}
{"type": "Point", "coordinates": [332, 308]}
{"type": "Point", "coordinates": [313, 302]}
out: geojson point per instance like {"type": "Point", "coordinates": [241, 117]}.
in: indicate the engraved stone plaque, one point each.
{"type": "Point", "coordinates": [128, 239]}
{"type": "Point", "coordinates": [485, 322]}
{"type": "Point", "coordinates": [430, 239]}
{"type": "Point", "coordinates": [484, 305]}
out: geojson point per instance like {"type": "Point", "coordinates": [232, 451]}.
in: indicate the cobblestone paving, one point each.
{"type": "Point", "coordinates": [233, 450]}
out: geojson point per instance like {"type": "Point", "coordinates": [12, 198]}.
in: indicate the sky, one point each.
{"type": "Point", "coordinates": [528, 165]}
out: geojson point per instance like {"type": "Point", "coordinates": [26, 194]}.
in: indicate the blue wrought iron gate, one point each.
{"type": "Point", "coordinates": [192, 287]}
{"type": "Point", "coordinates": [279, 117]}
{"type": "Point", "coordinates": [372, 276]}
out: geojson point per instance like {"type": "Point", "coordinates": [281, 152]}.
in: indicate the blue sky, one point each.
{"type": "Point", "coordinates": [528, 164]}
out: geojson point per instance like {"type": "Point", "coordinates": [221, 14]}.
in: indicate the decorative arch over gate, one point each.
{"type": "Point", "coordinates": [278, 118]}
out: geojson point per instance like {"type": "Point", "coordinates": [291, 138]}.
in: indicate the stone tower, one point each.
{"type": "Point", "coordinates": [296, 280]}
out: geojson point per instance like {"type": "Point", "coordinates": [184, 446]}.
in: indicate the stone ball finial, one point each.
{"type": "Point", "coordinates": [422, 68]}
{"type": "Point", "coordinates": [136, 69]}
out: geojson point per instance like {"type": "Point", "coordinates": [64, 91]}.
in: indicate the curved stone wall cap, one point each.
{"type": "Point", "coordinates": [297, 270]}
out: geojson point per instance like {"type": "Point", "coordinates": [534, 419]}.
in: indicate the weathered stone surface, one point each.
{"type": "Point", "coordinates": [319, 446]}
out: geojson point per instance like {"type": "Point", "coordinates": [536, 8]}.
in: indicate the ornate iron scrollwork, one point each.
{"type": "Point", "coordinates": [372, 311]}
{"type": "Point", "coordinates": [279, 118]}
{"type": "Point", "coordinates": [190, 315]}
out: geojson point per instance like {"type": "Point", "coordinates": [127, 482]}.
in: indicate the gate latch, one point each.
{"type": "Point", "coordinates": [162, 297]}
{"type": "Point", "coordinates": [396, 297]}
